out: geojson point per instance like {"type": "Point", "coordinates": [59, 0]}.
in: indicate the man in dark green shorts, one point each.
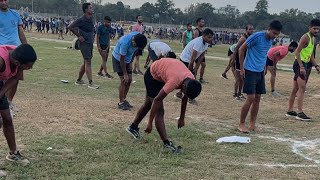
{"type": "Point", "coordinates": [103, 43]}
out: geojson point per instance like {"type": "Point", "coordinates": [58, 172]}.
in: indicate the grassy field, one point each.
{"type": "Point", "coordinates": [87, 132]}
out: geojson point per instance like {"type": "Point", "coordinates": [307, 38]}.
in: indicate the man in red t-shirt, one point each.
{"type": "Point", "coordinates": [275, 55]}
{"type": "Point", "coordinates": [163, 77]}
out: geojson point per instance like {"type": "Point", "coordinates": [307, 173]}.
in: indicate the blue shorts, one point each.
{"type": "Point", "coordinates": [254, 83]}
{"type": "Point", "coordinates": [269, 62]}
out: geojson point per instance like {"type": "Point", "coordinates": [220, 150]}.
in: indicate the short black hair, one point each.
{"type": "Point", "coordinates": [293, 44]}
{"type": "Point", "coordinates": [138, 16]}
{"type": "Point", "coordinates": [85, 6]}
{"type": "Point", "coordinates": [107, 18]}
{"type": "Point", "coordinates": [207, 32]}
{"type": "Point", "coordinates": [140, 40]}
{"type": "Point", "coordinates": [315, 22]}
{"type": "Point", "coordinates": [276, 25]}
{"type": "Point", "coordinates": [198, 20]}
{"type": "Point", "coordinates": [247, 27]}
{"type": "Point", "coordinates": [193, 89]}
{"type": "Point", "coordinates": [171, 55]}
{"type": "Point", "coordinates": [189, 24]}
{"type": "Point", "coordinates": [24, 54]}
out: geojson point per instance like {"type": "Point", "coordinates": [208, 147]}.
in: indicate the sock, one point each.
{"type": "Point", "coordinates": [78, 79]}
{"type": "Point", "coordinates": [272, 91]}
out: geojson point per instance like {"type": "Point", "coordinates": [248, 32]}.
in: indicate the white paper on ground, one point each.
{"type": "Point", "coordinates": [234, 139]}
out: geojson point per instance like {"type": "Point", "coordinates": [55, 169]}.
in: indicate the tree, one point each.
{"type": "Point", "coordinates": [165, 9]}
{"type": "Point", "coordinates": [262, 7]}
{"type": "Point", "coordinates": [148, 11]}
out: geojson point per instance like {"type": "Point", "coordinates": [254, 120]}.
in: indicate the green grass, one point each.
{"type": "Point", "coordinates": [86, 130]}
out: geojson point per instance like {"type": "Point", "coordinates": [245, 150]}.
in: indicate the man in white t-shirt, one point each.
{"type": "Point", "coordinates": [158, 50]}
{"type": "Point", "coordinates": [195, 49]}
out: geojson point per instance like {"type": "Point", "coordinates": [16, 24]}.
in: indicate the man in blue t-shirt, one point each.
{"type": "Point", "coordinates": [122, 56]}
{"type": "Point", "coordinates": [103, 43]}
{"type": "Point", "coordinates": [252, 68]}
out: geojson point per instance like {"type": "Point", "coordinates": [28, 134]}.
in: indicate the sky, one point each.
{"type": "Point", "coordinates": [275, 6]}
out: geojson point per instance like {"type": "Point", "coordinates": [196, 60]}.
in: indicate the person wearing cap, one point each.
{"type": "Point", "coordinates": [13, 61]}
{"type": "Point", "coordinates": [161, 78]}
{"type": "Point", "coordinates": [158, 50]}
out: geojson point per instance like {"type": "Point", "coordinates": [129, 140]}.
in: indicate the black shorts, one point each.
{"type": "Point", "coordinates": [185, 63]}
{"type": "Point", "coordinates": [296, 70]}
{"type": "Point", "coordinates": [86, 50]}
{"type": "Point", "coordinates": [117, 67]}
{"type": "Point", "coordinates": [204, 59]}
{"type": "Point", "coordinates": [230, 52]}
{"type": "Point", "coordinates": [138, 52]}
{"type": "Point", "coordinates": [269, 62]}
{"type": "Point", "coordinates": [61, 31]}
{"type": "Point", "coordinates": [4, 104]}
{"type": "Point", "coordinates": [152, 54]}
{"type": "Point", "coordinates": [254, 83]}
{"type": "Point", "coordinates": [309, 65]}
{"type": "Point", "coordinates": [237, 64]}
{"type": "Point", "coordinates": [153, 86]}
{"type": "Point", "coordinates": [105, 47]}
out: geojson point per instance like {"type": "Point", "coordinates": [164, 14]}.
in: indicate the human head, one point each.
{"type": "Point", "coordinates": [314, 27]}
{"type": "Point", "coordinates": [139, 19]}
{"type": "Point", "coordinates": [139, 41]}
{"type": "Point", "coordinates": [171, 55]}
{"type": "Point", "coordinates": [292, 46]}
{"type": "Point", "coordinates": [207, 35]}
{"type": "Point", "coordinates": [249, 29]}
{"type": "Point", "coordinates": [23, 56]}
{"type": "Point", "coordinates": [192, 88]}
{"type": "Point", "coordinates": [189, 26]}
{"type": "Point", "coordinates": [107, 21]}
{"type": "Point", "coordinates": [274, 29]}
{"type": "Point", "coordinates": [87, 8]}
{"type": "Point", "coordinates": [200, 22]}
{"type": "Point", "coordinates": [4, 5]}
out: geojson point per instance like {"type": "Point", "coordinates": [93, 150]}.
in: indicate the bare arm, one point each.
{"type": "Point", "coordinates": [157, 105]}
{"type": "Point", "coordinates": [242, 51]}
{"type": "Point", "coordinates": [193, 58]}
{"type": "Point", "coordinates": [98, 42]}
{"type": "Point", "coordinates": [236, 49]}
{"type": "Point", "coordinates": [8, 85]}
{"type": "Point", "coordinates": [22, 37]}
{"type": "Point", "coordinates": [73, 30]}
{"type": "Point", "coordinates": [195, 34]}
{"type": "Point", "coordinates": [184, 38]}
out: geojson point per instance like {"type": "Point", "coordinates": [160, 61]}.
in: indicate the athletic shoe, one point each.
{"type": "Point", "coordinates": [291, 114]}
{"type": "Point", "coordinates": [203, 81]}
{"type": "Point", "coordinates": [224, 76]}
{"type": "Point", "coordinates": [178, 95]}
{"type": "Point", "coordinates": [140, 73]}
{"type": "Point", "coordinates": [242, 97]}
{"type": "Point", "coordinates": [99, 74]}
{"type": "Point", "coordinates": [237, 98]}
{"type": "Point", "coordinates": [128, 104]}
{"type": "Point", "coordinates": [171, 147]}
{"type": "Point", "coordinates": [193, 102]}
{"type": "Point", "coordinates": [93, 86]}
{"type": "Point", "coordinates": [275, 94]}
{"type": "Point", "coordinates": [134, 72]}
{"type": "Point", "coordinates": [81, 82]}
{"type": "Point", "coordinates": [303, 117]}
{"type": "Point", "coordinates": [134, 132]}
{"type": "Point", "coordinates": [17, 157]}
{"type": "Point", "coordinates": [108, 76]}
{"type": "Point", "coordinates": [123, 106]}
{"type": "Point", "coordinates": [13, 106]}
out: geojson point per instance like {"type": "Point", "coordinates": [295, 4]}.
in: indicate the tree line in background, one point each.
{"type": "Point", "coordinates": [295, 22]}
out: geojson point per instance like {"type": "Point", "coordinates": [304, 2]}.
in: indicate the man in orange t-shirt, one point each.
{"type": "Point", "coordinates": [160, 79]}
{"type": "Point", "coordinates": [275, 55]}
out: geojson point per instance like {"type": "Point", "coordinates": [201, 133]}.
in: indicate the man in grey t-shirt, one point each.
{"type": "Point", "coordinates": [83, 28]}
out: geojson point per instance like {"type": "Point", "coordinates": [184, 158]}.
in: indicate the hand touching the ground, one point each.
{"type": "Point", "coordinates": [180, 123]}
{"type": "Point", "coordinates": [149, 128]}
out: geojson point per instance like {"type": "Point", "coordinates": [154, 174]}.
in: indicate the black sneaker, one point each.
{"type": "Point", "coordinates": [123, 106]}
{"type": "Point", "coordinates": [303, 117]}
{"type": "Point", "coordinates": [171, 147]}
{"type": "Point", "coordinates": [134, 132]}
{"type": "Point", "coordinates": [108, 76]}
{"type": "Point", "coordinates": [128, 104]}
{"type": "Point", "coordinates": [291, 114]}
{"type": "Point", "coordinates": [179, 95]}
{"type": "Point", "coordinates": [224, 76]}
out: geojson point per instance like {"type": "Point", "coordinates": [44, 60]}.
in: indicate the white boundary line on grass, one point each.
{"type": "Point", "coordinates": [285, 165]}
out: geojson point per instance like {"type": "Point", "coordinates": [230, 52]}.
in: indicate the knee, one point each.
{"type": "Point", "coordinates": [87, 63]}
{"type": "Point", "coordinates": [203, 65]}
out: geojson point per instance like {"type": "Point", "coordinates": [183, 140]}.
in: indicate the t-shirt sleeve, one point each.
{"type": "Point", "coordinates": [283, 51]}
{"type": "Point", "coordinates": [123, 49]}
{"type": "Point", "coordinates": [252, 40]}
{"type": "Point", "coordinates": [170, 86]}
{"type": "Point", "coordinates": [197, 47]}
{"type": "Point", "coordinates": [77, 22]}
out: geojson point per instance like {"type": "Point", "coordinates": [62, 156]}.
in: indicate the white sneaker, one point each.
{"type": "Point", "coordinates": [93, 86]}
{"type": "Point", "coordinates": [275, 94]}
